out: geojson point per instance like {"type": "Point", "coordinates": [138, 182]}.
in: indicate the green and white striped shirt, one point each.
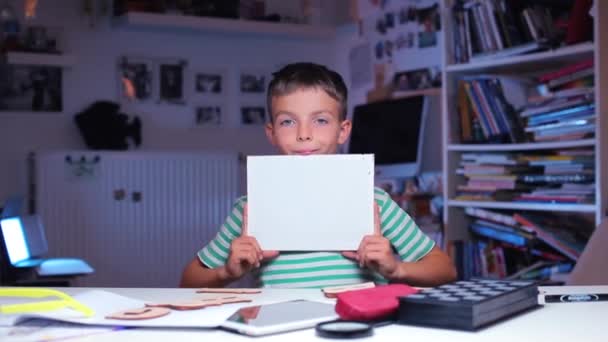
{"type": "Point", "coordinates": [321, 269]}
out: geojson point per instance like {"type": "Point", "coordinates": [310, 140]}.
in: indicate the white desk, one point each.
{"type": "Point", "coordinates": [551, 323]}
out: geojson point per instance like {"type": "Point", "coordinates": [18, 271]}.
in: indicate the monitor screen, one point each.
{"type": "Point", "coordinates": [392, 130]}
{"type": "Point", "coordinates": [14, 239]}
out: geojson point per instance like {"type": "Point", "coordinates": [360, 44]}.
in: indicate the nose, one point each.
{"type": "Point", "coordinates": [304, 134]}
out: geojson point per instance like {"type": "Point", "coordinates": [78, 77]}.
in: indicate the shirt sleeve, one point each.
{"type": "Point", "coordinates": [400, 229]}
{"type": "Point", "coordinates": [215, 253]}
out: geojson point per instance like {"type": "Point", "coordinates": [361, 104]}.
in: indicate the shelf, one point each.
{"type": "Point", "coordinates": [521, 147]}
{"type": "Point", "coordinates": [219, 25]}
{"type": "Point", "coordinates": [400, 94]}
{"type": "Point", "coordinates": [46, 59]}
{"type": "Point", "coordinates": [579, 208]}
{"type": "Point", "coordinates": [528, 62]}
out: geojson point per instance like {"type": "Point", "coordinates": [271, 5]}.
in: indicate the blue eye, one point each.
{"type": "Point", "coordinates": [286, 122]}
{"type": "Point", "coordinates": [322, 121]}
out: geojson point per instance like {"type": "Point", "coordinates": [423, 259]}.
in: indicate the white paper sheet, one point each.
{"type": "Point", "coordinates": [105, 303]}
{"type": "Point", "coordinates": [310, 203]}
{"type": "Point", "coordinates": [48, 330]}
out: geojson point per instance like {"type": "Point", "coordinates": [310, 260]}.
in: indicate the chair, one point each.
{"type": "Point", "coordinates": [24, 246]}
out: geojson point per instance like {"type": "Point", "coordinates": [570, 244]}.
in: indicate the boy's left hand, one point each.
{"type": "Point", "coordinates": [375, 251]}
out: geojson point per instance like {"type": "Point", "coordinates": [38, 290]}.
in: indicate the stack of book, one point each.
{"type": "Point", "coordinates": [565, 176]}
{"type": "Point", "coordinates": [568, 177]}
{"type": "Point", "coordinates": [487, 29]}
{"type": "Point", "coordinates": [519, 245]}
{"type": "Point", "coordinates": [565, 109]}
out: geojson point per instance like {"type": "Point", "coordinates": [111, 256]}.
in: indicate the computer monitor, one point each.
{"type": "Point", "coordinates": [393, 131]}
{"type": "Point", "coordinates": [24, 240]}
{"type": "Point", "coordinates": [25, 244]}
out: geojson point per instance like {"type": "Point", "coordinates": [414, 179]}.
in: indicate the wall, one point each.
{"type": "Point", "coordinates": [166, 127]}
{"type": "Point", "coordinates": [402, 59]}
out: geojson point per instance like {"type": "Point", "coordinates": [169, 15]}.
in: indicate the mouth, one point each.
{"type": "Point", "coordinates": [305, 152]}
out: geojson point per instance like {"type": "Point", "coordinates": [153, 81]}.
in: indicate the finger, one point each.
{"type": "Point", "coordinates": [361, 251]}
{"type": "Point", "coordinates": [244, 228]}
{"type": "Point", "coordinates": [267, 255]}
{"type": "Point", "coordinates": [248, 259]}
{"type": "Point", "coordinates": [256, 246]}
{"type": "Point", "coordinates": [249, 244]}
{"type": "Point", "coordinates": [375, 240]}
{"type": "Point", "coordinates": [377, 230]}
{"type": "Point", "coordinates": [350, 255]}
{"type": "Point", "coordinates": [256, 259]}
{"type": "Point", "coordinates": [377, 261]}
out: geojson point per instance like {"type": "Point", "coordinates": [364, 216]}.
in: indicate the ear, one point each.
{"type": "Point", "coordinates": [345, 128]}
{"type": "Point", "coordinates": [268, 128]}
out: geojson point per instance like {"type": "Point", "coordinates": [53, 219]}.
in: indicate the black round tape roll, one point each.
{"type": "Point", "coordinates": [344, 329]}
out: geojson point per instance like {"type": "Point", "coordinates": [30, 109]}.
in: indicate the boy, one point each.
{"type": "Point", "coordinates": [307, 106]}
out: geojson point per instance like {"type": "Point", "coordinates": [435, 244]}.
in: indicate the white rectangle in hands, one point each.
{"type": "Point", "coordinates": [310, 203]}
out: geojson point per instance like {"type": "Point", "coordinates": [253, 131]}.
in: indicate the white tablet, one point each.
{"type": "Point", "coordinates": [278, 317]}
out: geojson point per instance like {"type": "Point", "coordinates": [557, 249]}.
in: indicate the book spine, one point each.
{"type": "Point", "coordinates": [567, 70]}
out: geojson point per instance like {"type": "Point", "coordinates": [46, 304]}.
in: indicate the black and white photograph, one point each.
{"type": "Point", "coordinates": [253, 115]}
{"type": "Point", "coordinates": [209, 82]}
{"type": "Point", "coordinates": [209, 115]}
{"type": "Point", "coordinates": [172, 82]}
{"type": "Point", "coordinates": [29, 88]}
{"type": "Point", "coordinates": [413, 80]}
{"type": "Point", "coordinates": [135, 76]}
{"type": "Point", "coordinates": [253, 82]}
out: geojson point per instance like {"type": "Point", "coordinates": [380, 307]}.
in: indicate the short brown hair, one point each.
{"type": "Point", "coordinates": [307, 75]}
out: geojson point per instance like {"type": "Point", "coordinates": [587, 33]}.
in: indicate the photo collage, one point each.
{"type": "Point", "coordinates": [206, 90]}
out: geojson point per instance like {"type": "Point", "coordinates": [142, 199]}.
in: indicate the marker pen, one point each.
{"type": "Point", "coordinates": [572, 298]}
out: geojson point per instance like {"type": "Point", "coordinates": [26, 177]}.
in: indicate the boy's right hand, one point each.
{"type": "Point", "coordinates": [245, 253]}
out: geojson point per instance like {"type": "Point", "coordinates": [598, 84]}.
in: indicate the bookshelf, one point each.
{"type": "Point", "coordinates": [220, 25]}
{"type": "Point", "coordinates": [528, 65]}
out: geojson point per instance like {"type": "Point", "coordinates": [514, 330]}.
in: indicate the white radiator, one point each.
{"type": "Point", "coordinates": [137, 217]}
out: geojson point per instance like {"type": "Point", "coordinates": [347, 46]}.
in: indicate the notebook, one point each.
{"type": "Point", "coordinates": [26, 245]}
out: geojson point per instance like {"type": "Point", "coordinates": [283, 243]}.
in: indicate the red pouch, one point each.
{"type": "Point", "coordinates": [371, 304]}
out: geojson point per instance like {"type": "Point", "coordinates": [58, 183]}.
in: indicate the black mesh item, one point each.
{"type": "Point", "coordinates": [103, 127]}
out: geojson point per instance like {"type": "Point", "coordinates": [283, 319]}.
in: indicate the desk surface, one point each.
{"type": "Point", "coordinates": [559, 322]}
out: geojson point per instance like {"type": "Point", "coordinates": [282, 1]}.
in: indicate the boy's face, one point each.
{"type": "Point", "coordinates": [305, 122]}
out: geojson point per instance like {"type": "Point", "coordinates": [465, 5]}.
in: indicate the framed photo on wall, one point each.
{"type": "Point", "coordinates": [253, 115]}
{"type": "Point", "coordinates": [30, 88]}
{"type": "Point", "coordinates": [135, 78]}
{"type": "Point", "coordinates": [210, 82]}
{"type": "Point", "coordinates": [253, 81]}
{"type": "Point", "coordinates": [171, 75]}
{"type": "Point", "coordinates": [209, 115]}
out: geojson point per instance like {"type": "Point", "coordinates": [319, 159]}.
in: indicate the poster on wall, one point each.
{"type": "Point", "coordinates": [429, 24]}
{"type": "Point", "coordinates": [135, 76]}
{"type": "Point", "coordinates": [360, 65]}
{"type": "Point", "coordinates": [30, 88]}
{"type": "Point", "coordinates": [171, 86]}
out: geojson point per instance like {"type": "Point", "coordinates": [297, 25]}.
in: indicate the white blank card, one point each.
{"type": "Point", "coordinates": [310, 203]}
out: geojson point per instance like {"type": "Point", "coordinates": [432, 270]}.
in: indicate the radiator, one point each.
{"type": "Point", "coordinates": [137, 217]}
